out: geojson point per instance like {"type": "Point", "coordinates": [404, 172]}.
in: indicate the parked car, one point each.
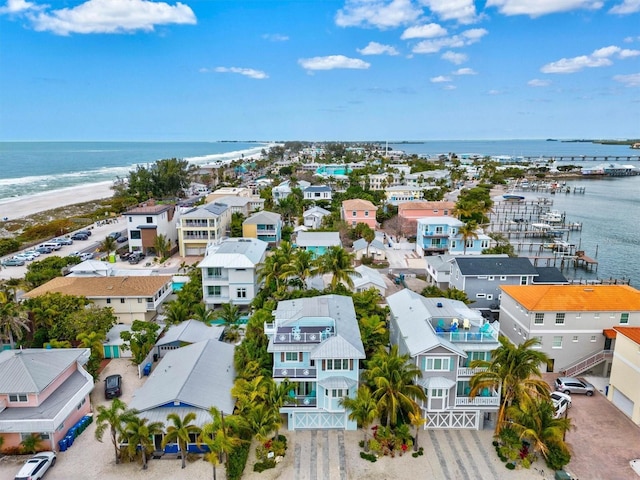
{"type": "Point", "coordinates": [115, 235]}
{"type": "Point", "coordinates": [574, 385]}
{"type": "Point", "coordinates": [63, 240]}
{"type": "Point", "coordinates": [134, 258]}
{"type": "Point", "coordinates": [35, 253]}
{"type": "Point", "coordinates": [125, 255]}
{"type": "Point", "coordinates": [122, 239]}
{"type": "Point", "coordinates": [43, 250]}
{"type": "Point", "coordinates": [51, 245]}
{"type": "Point", "coordinates": [84, 232]}
{"type": "Point", "coordinates": [13, 262]}
{"type": "Point", "coordinates": [37, 466]}
{"type": "Point", "coordinates": [24, 256]}
{"type": "Point", "coordinates": [86, 256]}
{"type": "Point", "coordinates": [113, 386]}
{"type": "Point", "coordinates": [561, 402]}
{"type": "Point", "coordinates": [79, 236]}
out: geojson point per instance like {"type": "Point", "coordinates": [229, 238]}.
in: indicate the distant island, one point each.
{"type": "Point", "coordinates": [633, 143]}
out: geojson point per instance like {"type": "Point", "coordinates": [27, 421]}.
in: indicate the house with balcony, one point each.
{"type": "Point", "coordinates": [313, 217]}
{"type": "Point", "coordinates": [438, 235]}
{"type": "Point", "coordinates": [130, 297]}
{"type": "Point", "coordinates": [265, 226]}
{"type": "Point", "coordinates": [147, 222]}
{"type": "Point", "coordinates": [624, 383]}
{"type": "Point", "coordinates": [199, 226]}
{"type": "Point", "coordinates": [317, 242]}
{"type": "Point", "coordinates": [283, 190]}
{"type": "Point", "coordinates": [443, 337]}
{"type": "Point", "coordinates": [410, 212]}
{"type": "Point", "coordinates": [574, 323]}
{"type": "Point", "coordinates": [318, 193]}
{"type": "Point", "coordinates": [438, 268]}
{"type": "Point", "coordinates": [243, 205]}
{"type": "Point", "coordinates": [229, 192]}
{"type": "Point", "coordinates": [405, 193]}
{"type": "Point", "coordinates": [44, 392]}
{"type": "Point", "coordinates": [316, 344]}
{"type": "Point", "coordinates": [229, 271]}
{"type": "Point", "coordinates": [359, 211]}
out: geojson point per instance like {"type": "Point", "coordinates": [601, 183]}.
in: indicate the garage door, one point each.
{"type": "Point", "coordinates": [623, 402]}
{"type": "Point", "coordinates": [194, 251]}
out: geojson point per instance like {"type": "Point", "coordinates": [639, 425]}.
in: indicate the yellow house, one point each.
{"type": "Point", "coordinates": [624, 390]}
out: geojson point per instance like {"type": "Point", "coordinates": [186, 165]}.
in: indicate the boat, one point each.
{"type": "Point", "coordinates": [511, 196]}
{"type": "Point", "coordinates": [554, 216]}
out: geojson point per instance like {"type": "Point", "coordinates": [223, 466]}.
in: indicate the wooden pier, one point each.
{"type": "Point", "coordinates": [585, 261]}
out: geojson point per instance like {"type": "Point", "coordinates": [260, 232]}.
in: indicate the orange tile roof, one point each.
{"type": "Point", "coordinates": [633, 333]}
{"type": "Point", "coordinates": [577, 298]}
{"type": "Point", "coordinates": [358, 204]}
{"type": "Point", "coordinates": [609, 333]}
{"type": "Point", "coordinates": [425, 205]}
{"type": "Point", "coordinates": [98, 287]}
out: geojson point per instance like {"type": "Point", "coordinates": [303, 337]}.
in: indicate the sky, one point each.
{"type": "Point", "coordinates": [319, 70]}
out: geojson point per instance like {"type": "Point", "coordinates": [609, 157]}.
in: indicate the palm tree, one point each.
{"type": "Point", "coordinates": [391, 377]}
{"type": "Point", "coordinates": [55, 343]}
{"type": "Point", "coordinates": [417, 420]}
{"type": "Point", "coordinates": [369, 235]}
{"type": "Point", "coordinates": [179, 432]}
{"type": "Point", "coordinates": [112, 417]}
{"type": "Point", "coordinates": [13, 321]}
{"type": "Point", "coordinates": [218, 436]}
{"type": "Point", "coordinates": [109, 244]}
{"type": "Point", "coordinates": [363, 409]}
{"type": "Point", "coordinates": [278, 393]}
{"type": "Point", "coordinates": [138, 432]}
{"type": "Point", "coordinates": [176, 312]}
{"type": "Point", "coordinates": [514, 368]}
{"type": "Point", "coordinates": [468, 231]}
{"type": "Point", "coordinates": [202, 313]}
{"type": "Point", "coordinates": [373, 332]}
{"type": "Point", "coordinates": [262, 420]}
{"type": "Point", "coordinates": [249, 392]}
{"type": "Point", "coordinates": [337, 261]}
{"type": "Point", "coordinates": [92, 340]}
{"type": "Point", "coordinates": [301, 266]}
{"type": "Point", "coordinates": [161, 245]}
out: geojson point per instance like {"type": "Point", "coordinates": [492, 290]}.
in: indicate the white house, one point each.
{"type": "Point", "coordinates": [317, 193]}
{"type": "Point", "coordinates": [313, 217]}
{"type": "Point", "coordinates": [283, 190]}
{"type": "Point", "coordinates": [148, 222]}
{"type": "Point", "coordinates": [369, 278]}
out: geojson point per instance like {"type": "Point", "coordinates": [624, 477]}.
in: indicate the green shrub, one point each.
{"type": "Point", "coordinates": [265, 465]}
{"type": "Point", "coordinates": [237, 461]}
{"type": "Point", "coordinates": [8, 245]}
{"type": "Point", "coordinates": [368, 456]}
{"type": "Point", "coordinates": [510, 466]}
{"type": "Point", "coordinates": [558, 456]}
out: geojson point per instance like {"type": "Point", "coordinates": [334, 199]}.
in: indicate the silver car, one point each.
{"type": "Point", "coordinates": [572, 385]}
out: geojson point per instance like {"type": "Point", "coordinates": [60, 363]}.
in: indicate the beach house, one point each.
{"type": "Point", "coordinates": [283, 190]}
{"type": "Point", "coordinates": [624, 383]}
{"type": "Point", "coordinates": [410, 212]}
{"type": "Point", "coordinates": [438, 235]}
{"type": "Point", "coordinates": [147, 222]}
{"type": "Point", "coordinates": [318, 193]}
{"type": "Point", "coordinates": [317, 242]}
{"type": "Point", "coordinates": [201, 225]}
{"type": "Point", "coordinates": [359, 211]}
{"type": "Point", "coordinates": [443, 337]}
{"type": "Point", "coordinates": [316, 344]}
{"type": "Point", "coordinates": [313, 217]}
{"type": "Point", "coordinates": [574, 323]}
{"type": "Point", "coordinates": [265, 226]}
{"type": "Point", "coordinates": [43, 392]}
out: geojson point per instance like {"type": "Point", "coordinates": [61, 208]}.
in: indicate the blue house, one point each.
{"type": "Point", "coordinates": [316, 344]}
{"type": "Point", "coordinates": [439, 235]}
{"type": "Point", "coordinates": [317, 242]}
{"type": "Point", "coordinates": [265, 226]}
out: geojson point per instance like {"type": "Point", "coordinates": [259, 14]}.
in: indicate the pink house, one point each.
{"type": "Point", "coordinates": [410, 212]}
{"type": "Point", "coordinates": [359, 211]}
{"type": "Point", "coordinates": [43, 391]}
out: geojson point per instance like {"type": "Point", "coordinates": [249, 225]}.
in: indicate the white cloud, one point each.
{"type": "Point", "coordinates": [495, 92]}
{"type": "Point", "coordinates": [113, 16]}
{"type": "Point", "coordinates": [247, 72]}
{"type": "Point", "coordinates": [440, 79]}
{"type": "Point", "coordinates": [449, 87]}
{"type": "Point", "coordinates": [331, 62]}
{"type": "Point", "coordinates": [598, 58]}
{"type": "Point", "coordinates": [377, 13]}
{"type": "Point", "coordinates": [626, 7]}
{"type": "Point", "coordinates": [631, 80]}
{"type": "Point", "coordinates": [465, 71]}
{"type": "Point", "coordinates": [467, 37]}
{"type": "Point", "coordinates": [536, 82]}
{"type": "Point", "coordinates": [463, 11]}
{"type": "Point", "coordinates": [455, 58]}
{"type": "Point", "coordinates": [18, 6]}
{"type": "Point", "coordinates": [536, 8]}
{"type": "Point", "coordinates": [430, 30]}
{"type": "Point", "coordinates": [275, 37]}
{"type": "Point", "coordinates": [375, 48]}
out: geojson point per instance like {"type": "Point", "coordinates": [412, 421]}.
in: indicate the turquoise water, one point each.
{"type": "Point", "coordinates": [327, 170]}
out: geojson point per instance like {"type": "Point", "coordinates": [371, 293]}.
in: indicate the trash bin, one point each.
{"type": "Point", "coordinates": [62, 445]}
{"type": "Point", "coordinates": [69, 439]}
{"type": "Point", "coordinates": [562, 475]}
{"type": "Point", "coordinates": [147, 369]}
{"type": "Point", "coordinates": [155, 357]}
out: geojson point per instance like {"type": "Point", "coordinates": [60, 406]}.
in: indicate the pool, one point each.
{"type": "Point", "coordinates": [332, 170]}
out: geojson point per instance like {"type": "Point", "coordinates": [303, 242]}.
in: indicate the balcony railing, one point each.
{"type": "Point", "coordinates": [478, 401]}
{"type": "Point", "coordinates": [302, 335]}
{"type": "Point", "coordinates": [283, 372]}
{"type": "Point", "coordinates": [469, 372]}
{"type": "Point", "coordinates": [301, 401]}
{"type": "Point", "coordinates": [490, 336]}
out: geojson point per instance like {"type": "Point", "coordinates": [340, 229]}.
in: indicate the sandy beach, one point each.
{"type": "Point", "coordinates": [30, 204]}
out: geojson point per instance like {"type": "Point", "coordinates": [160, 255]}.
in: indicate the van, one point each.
{"type": "Point", "coordinates": [51, 245]}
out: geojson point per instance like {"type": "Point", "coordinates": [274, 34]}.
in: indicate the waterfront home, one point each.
{"type": "Point", "coordinates": [438, 235]}
{"type": "Point", "coordinates": [199, 226]}
{"type": "Point", "coordinates": [317, 242]}
{"type": "Point", "coordinates": [359, 211]}
{"type": "Point", "coordinates": [572, 322]}
{"type": "Point", "coordinates": [316, 344]}
{"type": "Point", "coordinates": [374, 250]}
{"type": "Point", "coordinates": [243, 205]}
{"type": "Point", "coordinates": [265, 226]}
{"type": "Point", "coordinates": [312, 218]}
{"type": "Point", "coordinates": [624, 383]}
{"type": "Point", "coordinates": [315, 193]}
{"type": "Point", "coordinates": [43, 392]}
{"type": "Point", "coordinates": [405, 193]}
{"type": "Point", "coordinates": [147, 222]}
{"type": "Point", "coordinates": [186, 333]}
{"type": "Point", "coordinates": [229, 271]}
{"type": "Point", "coordinates": [443, 337]}
{"type": "Point", "coordinates": [190, 379]}
{"type": "Point", "coordinates": [410, 212]}
{"type": "Point", "coordinates": [130, 297]}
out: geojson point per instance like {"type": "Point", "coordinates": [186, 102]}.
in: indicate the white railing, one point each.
{"type": "Point", "coordinates": [586, 363]}
{"type": "Point", "coordinates": [304, 372]}
{"type": "Point", "coordinates": [469, 372]}
{"type": "Point", "coordinates": [477, 401]}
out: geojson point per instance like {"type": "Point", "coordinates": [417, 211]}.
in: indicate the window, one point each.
{"type": "Point", "coordinates": [338, 364]}
{"type": "Point", "coordinates": [436, 364]}
{"type": "Point", "coordinates": [214, 290]}
{"type": "Point", "coordinates": [575, 339]}
{"type": "Point", "coordinates": [593, 338]}
{"type": "Point", "coordinates": [214, 272]}
{"type": "Point", "coordinates": [122, 300]}
{"type": "Point", "coordinates": [366, 213]}
{"type": "Point", "coordinates": [539, 343]}
{"type": "Point", "coordinates": [578, 315]}
{"type": "Point", "coordinates": [559, 318]}
{"type": "Point", "coordinates": [149, 219]}
{"type": "Point", "coordinates": [134, 235]}
{"type": "Point", "coordinates": [354, 213]}
{"type": "Point", "coordinates": [539, 320]}
{"type": "Point", "coordinates": [130, 219]}
{"type": "Point", "coordinates": [624, 318]}
{"type": "Point", "coordinates": [491, 278]}
{"type": "Point", "coordinates": [596, 315]}
{"type": "Point", "coordinates": [291, 356]}
{"type": "Point", "coordinates": [523, 280]}
{"type": "Point", "coordinates": [503, 278]}
{"type": "Point", "coordinates": [20, 397]}
{"type": "Point", "coordinates": [108, 300]}
{"type": "Point", "coordinates": [484, 244]}
{"type": "Point", "coordinates": [338, 392]}
{"type": "Point", "coordinates": [241, 293]}
{"type": "Point", "coordinates": [437, 392]}
{"type": "Point", "coordinates": [42, 435]}
{"type": "Point", "coordinates": [557, 342]}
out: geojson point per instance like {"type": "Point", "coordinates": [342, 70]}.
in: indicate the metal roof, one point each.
{"type": "Point", "coordinates": [200, 375]}
{"type": "Point", "coordinates": [336, 347]}
{"type": "Point", "coordinates": [263, 217]}
{"type": "Point", "coordinates": [190, 331]}
{"type": "Point", "coordinates": [337, 382]}
{"type": "Point", "coordinates": [436, 382]}
{"type": "Point", "coordinates": [480, 265]}
{"type": "Point", "coordinates": [367, 275]}
{"type": "Point", "coordinates": [235, 253]}
{"type": "Point", "coordinates": [549, 275]}
{"type": "Point", "coordinates": [318, 239]}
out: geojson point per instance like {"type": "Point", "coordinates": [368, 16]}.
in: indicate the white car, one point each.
{"type": "Point", "coordinates": [561, 402]}
{"type": "Point", "coordinates": [35, 253]}
{"type": "Point", "coordinates": [36, 466]}
{"type": "Point", "coordinates": [24, 256]}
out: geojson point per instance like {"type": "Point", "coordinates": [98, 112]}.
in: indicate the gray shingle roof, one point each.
{"type": "Point", "coordinates": [480, 265]}
{"type": "Point", "coordinates": [318, 188]}
{"type": "Point", "coordinates": [263, 217]}
{"type": "Point", "coordinates": [549, 275]}
{"type": "Point", "coordinates": [361, 244]}
{"type": "Point", "coordinates": [200, 375]}
{"type": "Point", "coordinates": [318, 239]}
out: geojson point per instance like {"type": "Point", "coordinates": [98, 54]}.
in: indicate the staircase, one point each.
{"type": "Point", "coordinates": [586, 363]}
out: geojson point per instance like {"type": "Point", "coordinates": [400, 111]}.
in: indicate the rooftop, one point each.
{"type": "Point", "coordinates": [234, 253]}
{"type": "Point", "coordinates": [98, 287]}
{"type": "Point", "coordinates": [318, 239]}
{"type": "Point", "coordinates": [577, 298]}
{"type": "Point", "coordinates": [358, 204]}
{"type": "Point", "coordinates": [480, 265]}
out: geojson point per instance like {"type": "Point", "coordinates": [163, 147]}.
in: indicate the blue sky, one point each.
{"type": "Point", "coordinates": [319, 69]}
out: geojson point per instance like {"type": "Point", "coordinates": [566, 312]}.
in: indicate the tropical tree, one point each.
{"type": "Point", "coordinates": [338, 262]}
{"type": "Point", "coordinates": [55, 343]}
{"type": "Point", "coordinates": [301, 267]}
{"type": "Point", "coordinates": [176, 312]}
{"type": "Point", "coordinates": [417, 420]}
{"type": "Point", "coordinates": [249, 393]}
{"type": "Point", "coordinates": [278, 394]}
{"type": "Point", "coordinates": [467, 232]}
{"type": "Point", "coordinates": [140, 339]}
{"type": "Point", "coordinates": [373, 332]}
{"type": "Point", "coordinates": [262, 420]}
{"type": "Point", "coordinates": [369, 235]}
{"type": "Point", "coordinates": [109, 244]}
{"type": "Point", "coordinates": [391, 377]}
{"type": "Point", "coordinates": [203, 314]}
{"type": "Point", "coordinates": [93, 341]}
{"type": "Point", "coordinates": [515, 369]}
{"type": "Point", "coordinates": [179, 432]}
{"type": "Point", "coordinates": [13, 320]}
{"type": "Point", "coordinates": [363, 409]}
{"type": "Point", "coordinates": [112, 417]}
{"type": "Point", "coordinates": [219, 437]}
{"type": "Point", "coordinates": [31, 444]}
{"type": "Point", "coordinates": [139, 433]}
{"type": "Point", "coordinates": [162, 245]}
